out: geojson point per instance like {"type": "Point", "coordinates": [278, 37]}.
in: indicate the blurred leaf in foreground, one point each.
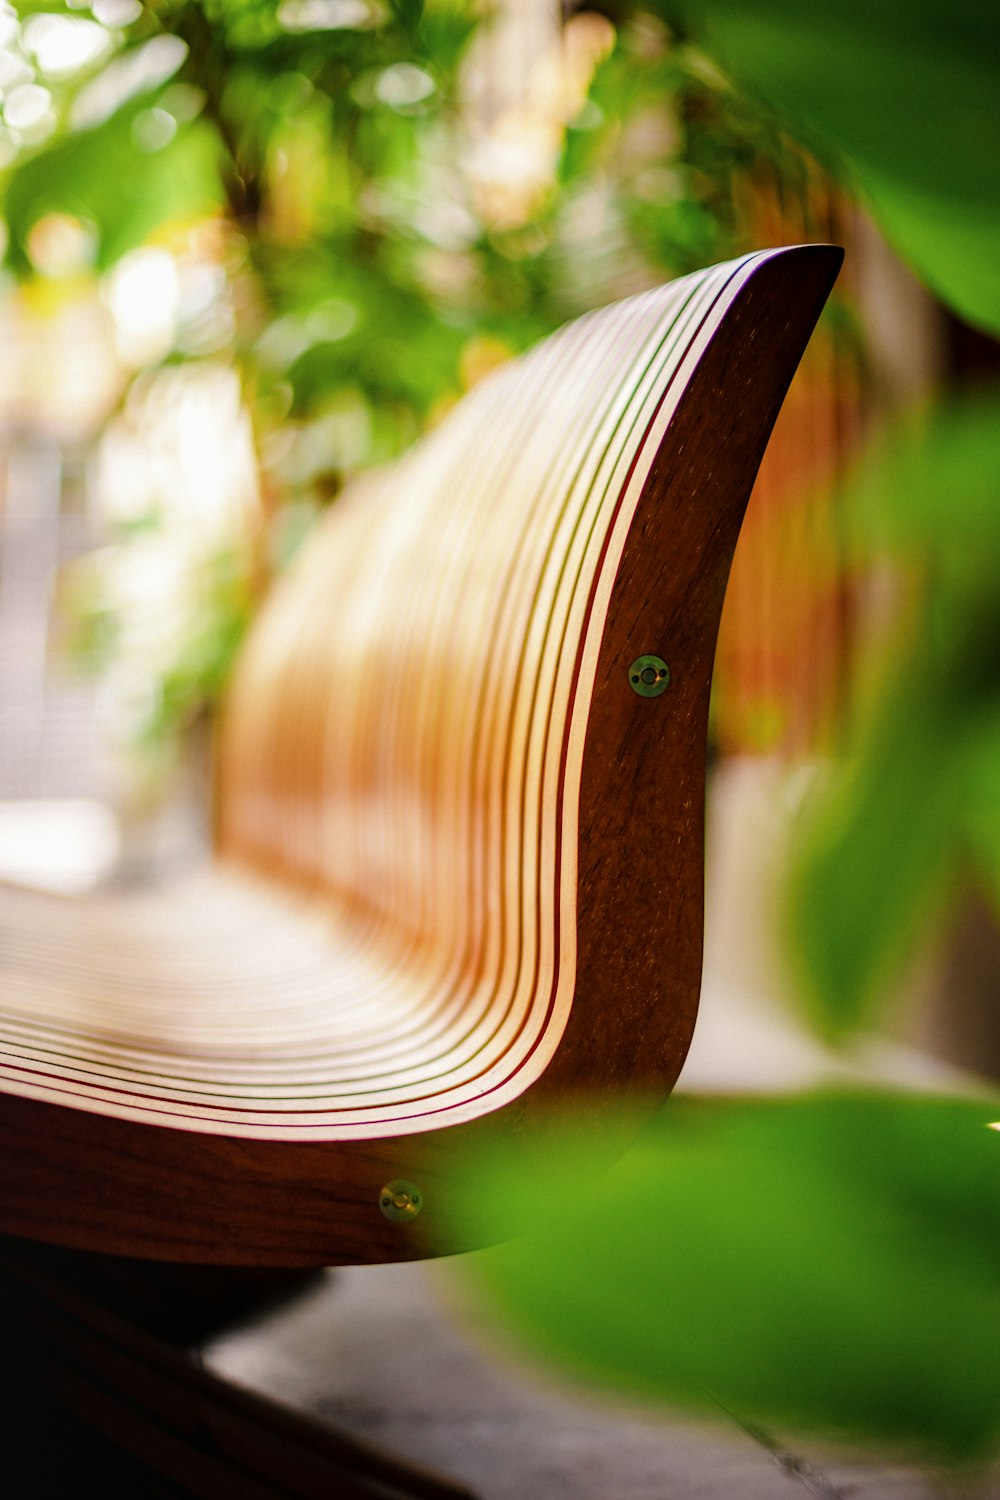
{"type": "Point", "coordinates": [825, 1263]}
{"type": "Point", "coordinates": [915, 809]}
{"type": "Point", "coordinates": [905, 93]}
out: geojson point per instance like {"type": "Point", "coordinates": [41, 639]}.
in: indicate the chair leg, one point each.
{"type": "Point", "coordinates": [182, 1305]}
{"type": "Point", "coordinates": [86, 1386]}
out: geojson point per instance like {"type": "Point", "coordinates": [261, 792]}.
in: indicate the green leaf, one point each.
{"type": "Point", "coordinates": [103, 178]}
{"type": "Point", "coordinates": [902, 95]}
{"type": "Point", "coordinates": [933, 485]}
{"type": "Point", "coordinates": [981, 803]}
{"type": "Point", "coordinates": [888, 839]}
{"type": "Point", "coordinates": [825, 1264]}
{"type": "Point", "coordinates": [871, 875]}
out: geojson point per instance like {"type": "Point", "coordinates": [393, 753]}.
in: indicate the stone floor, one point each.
{"type": "Point", "coordinates": [391, 1354]}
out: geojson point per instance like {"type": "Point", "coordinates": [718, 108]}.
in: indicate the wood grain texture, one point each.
{"type": "Point", "coordinates": [490, 849]}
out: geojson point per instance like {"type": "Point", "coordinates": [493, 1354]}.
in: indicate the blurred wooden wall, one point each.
{"type": "Point", "coordinates": [796, 607]}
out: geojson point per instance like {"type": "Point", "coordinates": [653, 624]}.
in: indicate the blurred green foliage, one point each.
{"type": "Point", "coordinates": [384, 231]}
{"type": "Point", "coordinates": [95, 176]}
{"type": "Point", "coordinates": [368, 252]}
{"type": "Point", "coordinates": [900, 97]}
{"type": "Point", "coordinates": [822, 1263]}
{"type": "Point", "coordinates": [911, 815]}
{"type": "Point", "coordinates": [200, 670]}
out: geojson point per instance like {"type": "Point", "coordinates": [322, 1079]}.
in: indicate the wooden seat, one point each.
{"type": "Point", "coordinates": [460, 836]}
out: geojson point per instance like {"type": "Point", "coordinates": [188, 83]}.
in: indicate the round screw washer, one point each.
{"type": "Point", "coordinates": [649, 676]}
{"type": "Point", "coordinates": [400, 1201]}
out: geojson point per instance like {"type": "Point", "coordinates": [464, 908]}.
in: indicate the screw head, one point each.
{"type": "Point", "coordinates": [400, 1201]}
{"type": "Point", "coordinates": [649, 676]}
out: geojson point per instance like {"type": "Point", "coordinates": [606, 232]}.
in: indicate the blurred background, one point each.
{"type": "Point", "coordinates": [253, 248]}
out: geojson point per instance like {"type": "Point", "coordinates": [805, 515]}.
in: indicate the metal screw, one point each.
{"type": "Point", "coordinates": [649, 676]}
{"type": "Point", "coordinates": [400, 1201]}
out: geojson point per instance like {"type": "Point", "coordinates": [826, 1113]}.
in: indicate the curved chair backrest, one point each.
{"type": "Point", "coordinates": [439, 734]}
{"type": "Point", "coordinates": [435, 722]}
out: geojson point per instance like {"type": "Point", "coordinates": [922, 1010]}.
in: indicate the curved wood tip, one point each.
{"type": "Point", "coordinates": [825, 260]}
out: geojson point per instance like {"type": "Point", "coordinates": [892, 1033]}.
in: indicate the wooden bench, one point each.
{"type": "Point", "coordinates": [460, 821]}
